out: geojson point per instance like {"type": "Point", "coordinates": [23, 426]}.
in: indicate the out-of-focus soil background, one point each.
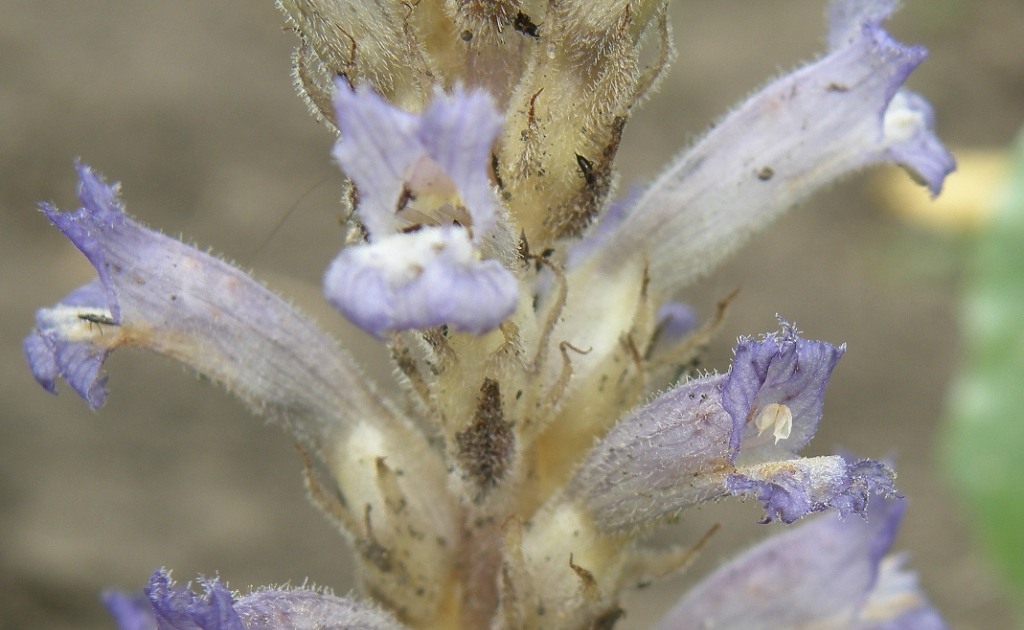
{"type": "Point", "coordinates": [190, 104]}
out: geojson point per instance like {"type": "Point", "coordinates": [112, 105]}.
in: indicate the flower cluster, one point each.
{"type": "Point", "coordinates": [546, 428]}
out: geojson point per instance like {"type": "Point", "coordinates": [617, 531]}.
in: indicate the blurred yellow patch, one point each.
{"type": "Point", "coordinates": [968, 197]}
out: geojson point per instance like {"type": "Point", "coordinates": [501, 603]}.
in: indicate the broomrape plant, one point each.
{"type": "Point", "coordinates": [544, 430]}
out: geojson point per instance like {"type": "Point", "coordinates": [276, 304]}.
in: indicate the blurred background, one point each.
{"type": "Point", "coordinates": [191, 106]}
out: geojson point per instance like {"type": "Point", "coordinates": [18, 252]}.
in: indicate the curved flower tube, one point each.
{"type": "Point", "coordinates": [157, 293]}
{"type": "Point", "coordinates": [828, 573]}
{"type": "Point", "coordinates": [799, 133]}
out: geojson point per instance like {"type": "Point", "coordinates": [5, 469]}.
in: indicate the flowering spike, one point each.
{"type": "Point", "coordinates": [512, 484]}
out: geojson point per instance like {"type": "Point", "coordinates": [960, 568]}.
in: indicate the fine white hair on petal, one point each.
{"type": "Point", "coordinates": [671, 453]}
{"type": "Point", "coordinates": [681, 447]}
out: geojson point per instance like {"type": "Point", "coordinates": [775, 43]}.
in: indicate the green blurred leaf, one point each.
{"type": "Point", "coordinates": [985, 438]}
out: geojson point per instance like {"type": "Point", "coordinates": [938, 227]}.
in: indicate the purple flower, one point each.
{"type": "Point", "coordinates": [158, 293]}
{"type": "Point", "coordinates": [708, 438]}
{"type": "Point", "coordinates": [826, 573]}
{"type": "Point", "coordinates": [804, 130]}
{"type": "Point", "coordinates": [427, 204]}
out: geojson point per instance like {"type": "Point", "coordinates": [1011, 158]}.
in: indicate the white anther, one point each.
{"type": "Point", "coordinates": [778, 417]}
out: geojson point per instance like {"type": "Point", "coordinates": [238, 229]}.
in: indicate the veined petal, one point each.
{"type": "Point", "coordinates": [799, 133]}
{"type": "Point", "coordinates": [170, 607]}
{"type": "Point", "coordinates": [819, 574]}
{"type": "Point", "coordinates": [420, 280]}
{"type": "Point", "coordinates": [793, 489]}
{"type": "Point", "coordinates": [778, 378]}
{"type": "Point", "coordinates": [419, 168]}
{"type": "Point", "coordinates": [458, 131]}
{"type": "Point", "coordinates": [158, 293]}
{"type": "Point", "coordinates": [775, 391]}
{"type": "Point", "coordinates": [378, 143]}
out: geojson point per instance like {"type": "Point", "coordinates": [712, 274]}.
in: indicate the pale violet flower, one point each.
{"type": "Point", "coordinates": [428, 207]}
{"type": "Point", "coordinates": [826, 573]}
{"type": "Point", "coordinates": [544, 430]}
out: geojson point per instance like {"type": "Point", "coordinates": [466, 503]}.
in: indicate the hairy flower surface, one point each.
{"type": "Point", "coordinates": [826, 573]}
{"type": "Point", "coordinates": [545, 429]}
